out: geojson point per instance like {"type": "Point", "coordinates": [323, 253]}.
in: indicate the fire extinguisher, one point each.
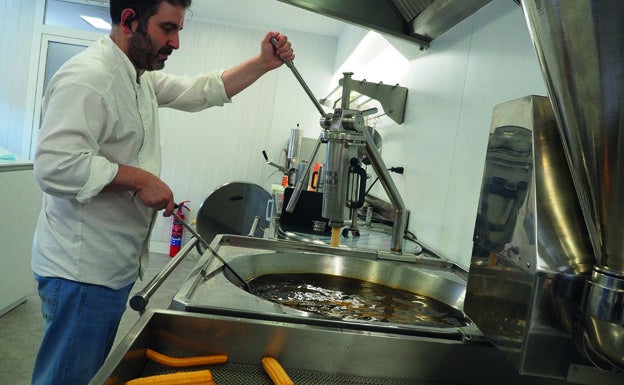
{"type": "Point", "coordinates": [177, 229]}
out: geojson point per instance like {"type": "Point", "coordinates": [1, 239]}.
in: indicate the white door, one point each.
{"type": "Point", "coordinates": [55, 50]}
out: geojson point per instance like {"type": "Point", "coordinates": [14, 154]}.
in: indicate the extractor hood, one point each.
{"type": "Point", "coordinates": [419, 21]}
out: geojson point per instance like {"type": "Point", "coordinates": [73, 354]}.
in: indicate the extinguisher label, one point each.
{"type": "Point", "coordinates": [177, 230]}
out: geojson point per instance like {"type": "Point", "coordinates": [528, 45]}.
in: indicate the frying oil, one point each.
{"type": "Point", "coordinates": [353, 299]}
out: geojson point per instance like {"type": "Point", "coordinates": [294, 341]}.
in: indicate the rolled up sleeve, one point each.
{"type": "Point", "coordinates": [68, 162]}
{"type": "Point", "coordinates": [189, 93]}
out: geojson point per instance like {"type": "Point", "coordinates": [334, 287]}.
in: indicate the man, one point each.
{"type": "Point", "coordinates": [98, 161]}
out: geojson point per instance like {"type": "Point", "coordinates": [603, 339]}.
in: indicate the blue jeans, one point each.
{"type": "Point", "coordinates": [81, 321]}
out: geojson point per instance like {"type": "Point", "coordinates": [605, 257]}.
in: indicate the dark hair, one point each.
{"type": "Point", "coordinates": [144, 9]}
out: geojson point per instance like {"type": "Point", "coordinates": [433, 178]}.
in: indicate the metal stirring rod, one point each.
{"type": "Point", "coordinates": [307, 90]}
{"type": "Point", "coordinates": [299, 187]}
{"type": "Point", "coordinates": [196, 235]}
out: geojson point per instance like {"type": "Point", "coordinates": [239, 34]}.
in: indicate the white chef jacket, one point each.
{"type": "Point", "coordinates": [96, 116]}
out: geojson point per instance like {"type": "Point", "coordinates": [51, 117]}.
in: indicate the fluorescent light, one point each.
{"type": "Point", "coordinates": [96, 22]}
{"type": "Point", "coordinates": [99, 3]}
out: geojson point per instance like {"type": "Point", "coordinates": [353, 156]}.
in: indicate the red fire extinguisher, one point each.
{"type": "Point", "coordinates": [177, 230]}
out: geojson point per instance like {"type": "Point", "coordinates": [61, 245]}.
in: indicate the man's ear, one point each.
{"type": "Point", "coordinates": [128, 15]}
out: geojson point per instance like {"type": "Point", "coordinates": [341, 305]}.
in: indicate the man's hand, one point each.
{"type": "Point", "coordinates": [155, 193]}
{"type": "Point", "coordinates": [274, 56]}
{"type": "Point", "coordinates": [243, 75]}
{"type": "Point", "coordinates": [152, 191]}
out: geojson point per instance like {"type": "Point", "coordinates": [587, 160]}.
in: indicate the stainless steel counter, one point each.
{"type": "Point", "coordinates": [211, 289]}
{"type": "Point", "coordinates": [212, 314]}
{"type": "Point", "coordinates": [311, 355]}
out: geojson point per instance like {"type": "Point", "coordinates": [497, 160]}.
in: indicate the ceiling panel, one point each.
{"type": "Point", "coordinates": [255, 14]}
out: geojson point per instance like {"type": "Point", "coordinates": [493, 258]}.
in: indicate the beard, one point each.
{"type": "Point", "coordinates": [144, 54]}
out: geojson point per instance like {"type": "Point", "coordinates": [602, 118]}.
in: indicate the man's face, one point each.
{"type": "Point", "coordinates": [150, 47]}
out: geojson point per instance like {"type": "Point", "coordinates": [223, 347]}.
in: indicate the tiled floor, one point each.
{"type": "Point", "coordinates": [21, 329]}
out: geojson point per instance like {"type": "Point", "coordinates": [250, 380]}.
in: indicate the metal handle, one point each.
{"type": "Point", "coordinates": [140, 300]}
{"type": "Point", "coordinates": [266, 158]}
{"type": "Point", "coordinates": [214, 253]}
{"type": "Point", "coordinates": [307, 90]}
{"type": "Point", "coordinates": [356, 170]}
{"type": "Point", "coordinates": [254, 226]}
{"type": "Point", "coordinates": [302, 181]}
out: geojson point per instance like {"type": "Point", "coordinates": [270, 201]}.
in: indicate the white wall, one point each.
{"type": "Point", "coordinates": [203, 151]}
{"type": "Point", "coordinates": [15, 46]}
{"type": "Point", "coordinates": [453, 86]}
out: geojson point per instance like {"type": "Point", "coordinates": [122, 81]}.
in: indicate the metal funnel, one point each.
{"type": "Point", "coordinates": [580, 45]}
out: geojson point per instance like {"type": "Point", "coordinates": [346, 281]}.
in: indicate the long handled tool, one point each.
{"type": "Point", "coordinates": [140, 299]}
{"type": "Point", "coordinates": [300, 185]}
{"type": "Point", "coordinates": [307, 90]}
{"type": "Point", "coordinates": [199, 237]}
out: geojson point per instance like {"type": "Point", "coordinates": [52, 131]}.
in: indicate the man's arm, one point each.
{"type": "Point", "coordinates": [243, 75]}
{"type": "Point", "coordinates": [146, 186]}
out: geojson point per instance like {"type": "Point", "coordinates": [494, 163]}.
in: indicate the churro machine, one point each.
{"type": "Point", "coordinates": [349, 139]}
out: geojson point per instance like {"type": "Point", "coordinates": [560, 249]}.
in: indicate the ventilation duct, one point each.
{"type": "Point", "coordinates": [419, 21]}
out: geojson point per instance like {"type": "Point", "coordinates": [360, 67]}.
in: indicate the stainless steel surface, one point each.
{"type": "Point", "coordinates": [342, 145]}
{"type": "Point", "coordinates": [603, 321]}
{"type": "Point", "coordinates": [528, 232]}
{"type": "Point", "coordinates": [348, 132]}
{"type": "Point", "coordinates": [215, 292]}
{"type": "Point", "coordinates": [581, 48]}
{"type": "Point", "coordinates": [526, 180]}
{"type": "Point", "coordinates": [231, 209]}
{"type": "Point", "coordinates": [294, 143]}
{"type": "Point", "coordinates": [401, 214]}
{"type": "Point", "coordinates": [140, 300]}
{"type": "Point", "coordinates": [213, 253]}
{"type": "Point", "coordinates": [254, 226]}
{"type": "Point", "coordinates": [290, 207]}
{"type": "Point", "coordinates": [345, 134]}
{"type": "Point", "coordinates": [393, 98]}
{"type": "Point", "coordinates": [531, 255]}
{"type": "Point", "coordinates": [419, 21]}
{"type": "Point", "coordinates": [277, 166]}
{"type": "Point", "coordinates": [311, 355]}
{"type": "Point", "coordinates": [248, 245]}
{"type": "Point", "coordinates": [375, 239]}
{"type": "Point", "coordinates": [580, 45]}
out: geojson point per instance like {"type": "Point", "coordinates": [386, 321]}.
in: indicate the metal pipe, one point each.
{"type": "Point", "coordinates": [254, 226]}
{"type": "Point", "coordinates": [307, 90]}
{"type": "Point", "coordinates": [401, 213]}
{"type": "Point", "coordinates": [140, 300]}
{"type": "Point", "coordinates": [346, 90]}
{"type": "Point", "coordinates": [301, 182]}
{"type": "Point", "coordinates": [207, 245]}
{"type": "Point", "coordinates": [266, 158]}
